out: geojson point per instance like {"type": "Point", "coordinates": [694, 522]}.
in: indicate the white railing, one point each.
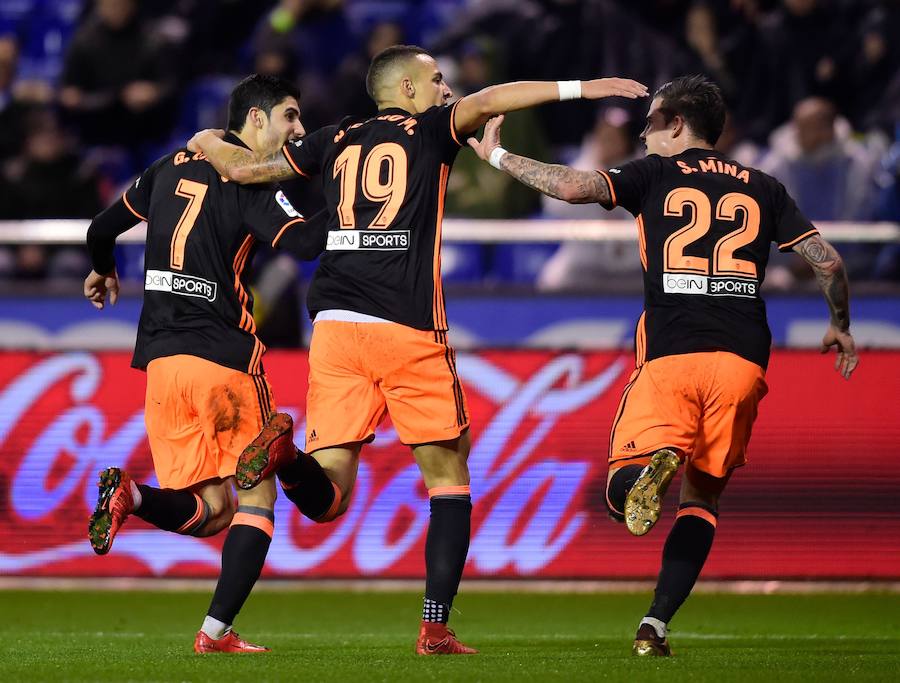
{"type": "Point", "coordinates": [454, 230]}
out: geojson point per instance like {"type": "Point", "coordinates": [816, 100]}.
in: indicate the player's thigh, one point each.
{"type": "Point", "coordinates": [341, 465]}
{"type": "Point", "coordinates": [444, 463]}
{"type": "Point", "coordinates": [421, 386]}
{"type": "Point", "coordinates": [659, 408]}
{"type": "Point", "coordinates": [343, 404]}
{"type": "Point", "coordinates": [733, 392]}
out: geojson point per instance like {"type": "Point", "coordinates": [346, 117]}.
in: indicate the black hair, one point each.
{"type": "Point", "coordinates": [698, 101]}
{"type": "Point", "coordinates": [263, 92]}
{"type": "Point", "coordinates": [386, 59]}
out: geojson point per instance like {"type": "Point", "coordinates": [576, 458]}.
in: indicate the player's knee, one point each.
{"type": "Point", "coordinates": [617, 488]}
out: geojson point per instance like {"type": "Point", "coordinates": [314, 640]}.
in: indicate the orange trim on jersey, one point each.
{"type": "Point", "coordinates": [287, 155]}
{"type": "Point", "coordinates": [247, 323]}
{"type": "Point", "coordinates": [262, 523]}
{"type": "Point", "coordinates": [285, 227]}
{"type": "Point", "coordinates": [450, 491]}
{"type": "Point", "coordinates": [799, 239]}
{"type": "Point", "coordinates": [197, 516]}
{"type": "Point", "coordinates": [438, 311]}
{"type": "Point", "coordinates": [698, 512]}
{"type": "Point", "coordinates": [612, 189]}
{"type": "Point", "coordinates": [259, 349]}
{"type": "Point", "coordinates": [642, 241]}
{"type": "Point", "coordinates": [453, 123]}
{"type": "Point", "coordinates": [130, 207]}
{"type": "Point", "coordinates": [640, 340]}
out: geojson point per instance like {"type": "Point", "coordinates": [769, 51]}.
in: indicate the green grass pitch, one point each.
{"type": "Point", "coordinates": [351, 636]}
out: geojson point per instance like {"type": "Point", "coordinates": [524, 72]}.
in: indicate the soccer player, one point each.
{"type": "Point", "coordinates": [705, 224]}
{"type": "Point", "coordinates": [207, 395]}
{"type": "Point", "coordinates": [379, 339]}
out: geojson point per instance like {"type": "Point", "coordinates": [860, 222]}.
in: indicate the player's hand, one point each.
{"type": "Point", "coordinates": [193, 144]}
{"type": "Point", "coordinates": [847, 360]}
{"type": "Point", "coordinates": [489, 140]}
{"type": "Point", "coordinates": [97, 286]}
{"type": "Point", "coordinates": [613, 87]}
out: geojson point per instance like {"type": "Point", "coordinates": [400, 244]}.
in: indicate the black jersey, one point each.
{"type": "Point", "coordinates": [705, 224]}
{"type": "Point", "coordinates": [201, 233]}
{"type": "Point", "coordinates": [384, 181]}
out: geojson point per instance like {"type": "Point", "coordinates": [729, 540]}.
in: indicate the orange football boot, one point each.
{"type": "Point", "coordinates": [230, 642]}
{"type": "Point", "coordinates": [437, 639]}
{"type": "Point", "coordinates": [114, 504]}
{"type": "Point", "coordinates": [269, 451]}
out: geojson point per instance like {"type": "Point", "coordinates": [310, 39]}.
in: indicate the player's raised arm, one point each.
{"type": "Point", "coordinates": [554, 180]}
{"type": "Point", "coordinates": [832, 278]}
{"type": "Point", "coordinates": [239, 164]}
{"type": "Point", "coordinates": [473, 111]}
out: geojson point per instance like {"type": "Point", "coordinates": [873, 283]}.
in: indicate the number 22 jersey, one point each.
{"type": "Point", "coordinates": [705, 225]}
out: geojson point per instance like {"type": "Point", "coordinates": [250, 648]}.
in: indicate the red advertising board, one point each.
{"type": "Point", "coordinates": [820, 497]}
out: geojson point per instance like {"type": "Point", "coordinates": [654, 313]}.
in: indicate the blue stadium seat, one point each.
{"type": "Point", "coordinates": [463, 262]}
{"type": "Point", "coordinates": [520, 263]}
{"type": "Point", "coordinates": [204, 104]}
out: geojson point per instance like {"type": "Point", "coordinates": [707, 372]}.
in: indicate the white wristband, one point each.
{"type": "Point", "coordinates": [569, 90]}
{"type": "Point", "coordinates": [496, 156]}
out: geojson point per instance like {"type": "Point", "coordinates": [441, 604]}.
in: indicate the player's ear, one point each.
{"type": "Point", "coordinates": [257, 117]}
{"type": "Point", "coordinates": [677, 126]}
{"type": "Point", "coordinates": [407, 86]}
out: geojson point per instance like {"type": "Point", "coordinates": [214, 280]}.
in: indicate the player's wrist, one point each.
{"type": "Point", "coordinates": [496, 155]}
{"type": "Point", "coordinates": [569, 90]}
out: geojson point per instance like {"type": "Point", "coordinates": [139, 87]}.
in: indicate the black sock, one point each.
{"type": "Point", "coordinates": [446, 547]}
{"type": "Point", "coordinates": [170, 510]}
{"type": "Point", "coordinates": [243, 556]}
{"type": "Point", "coordinates": [617, 489]}
{"type": "Point", "coordinates": [307, 486]}
{"type": "Point", "coordinates": [684, 554]}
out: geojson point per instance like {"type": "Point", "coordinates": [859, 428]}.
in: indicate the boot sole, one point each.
{"type": "Point", "coordinates": [644, 500]}
{"type": "Point", "coordinates": [254, 459]}
{"type": "Point", "coordinates": [100, 523]}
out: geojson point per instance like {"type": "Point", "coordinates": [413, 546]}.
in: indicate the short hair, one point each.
{"type": "Point", "coordinates": [384, 60]}
{"type": "Point", "coordinates": [698, 101]}
{"type": "Point", "coordinates": [262, 92]}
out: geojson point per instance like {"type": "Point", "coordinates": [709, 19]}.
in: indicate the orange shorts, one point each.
{"type": "Point", "coordinates": [360, 372]}
{"type": "Point", "coordinates": [200, 415]}
{"type": "Point", "coordinates": [703, 404]}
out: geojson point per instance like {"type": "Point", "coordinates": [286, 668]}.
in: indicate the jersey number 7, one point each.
{"type": "Point", "coordinates": [195, 193]}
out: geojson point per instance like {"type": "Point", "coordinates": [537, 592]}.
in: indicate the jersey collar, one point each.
{"type": "Point", "coordinates": [234, 140]}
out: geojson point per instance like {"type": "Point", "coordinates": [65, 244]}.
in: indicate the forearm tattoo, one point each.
{"type": "Point", "coordinates": [831, 276]}
{"type": "Point", "coordinates": [559, 182]}
{"type": "Point", "coordinates": [264, 169]}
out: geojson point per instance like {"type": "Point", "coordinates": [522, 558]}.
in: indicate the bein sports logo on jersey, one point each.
{"type": "Point", "coordinates": [182, 285]}
{"type": "Point", "coordinates": [367, 240]}
{"type": "Point", "coordinates": [683, 283]}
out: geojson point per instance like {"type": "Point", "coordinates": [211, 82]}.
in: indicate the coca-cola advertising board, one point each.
{"type": "Point", "coordinates": [820, 497]}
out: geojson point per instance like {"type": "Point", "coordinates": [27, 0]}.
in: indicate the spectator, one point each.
{"type": "Point", "coordinates": [117, 84]}
{"type": "Point", "coordinates": [350, 83]}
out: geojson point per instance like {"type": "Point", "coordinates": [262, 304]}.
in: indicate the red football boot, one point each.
{"type": "Point", "coordinates": [273, 448]}
{"type": "Point", "coordinates": [114, 504]}
{"type": "Point", "coordinates": [437, 639]}
{"type": "Point", "coordinates": [230, 642]}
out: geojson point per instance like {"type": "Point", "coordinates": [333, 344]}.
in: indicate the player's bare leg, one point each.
{"type": "Point", "coordinates": [446, 474]}
{"type": "Point", "coordinates": [243, 557]}
{"type": "Point", "coordinates": [684, 555]}
{"type": "Point", "coordinates": [644, 501]}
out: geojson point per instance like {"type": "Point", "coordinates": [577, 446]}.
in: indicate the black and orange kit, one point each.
{"type": "Point", "coordinates": [202, 231]}
{"type": "Point", "coordinates": [705, 226]}
{"type": "Point", "coordinates": [384, 181]}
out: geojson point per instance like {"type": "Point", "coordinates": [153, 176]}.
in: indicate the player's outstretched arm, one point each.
{"type": "Point", "coordinates": [554, 180]}
{"type": "Point", "coordinates": [240, 164]}
{"type": "Point", "coordinates": [472, 111]}
{"type": "Point", "coordinates": [832, 278]}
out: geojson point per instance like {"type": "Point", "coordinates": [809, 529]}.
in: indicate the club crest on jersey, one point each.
{"type": "Point", "coordinates": [182, 285]}
{"type": "Point", "coordinates": [285, 205]}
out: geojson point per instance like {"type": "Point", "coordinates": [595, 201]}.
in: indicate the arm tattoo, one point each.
{"type": "Point", "coordinates": [559, 182]}
{"type": "Point", "coordinates": [262, 169]}
{"type": "Point", "coordinates": [831, 276]}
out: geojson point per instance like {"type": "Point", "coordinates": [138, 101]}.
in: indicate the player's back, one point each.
{"type": "Point", "coordinates": [705, 228]}
{"type": "Point", "coordinates": [384, 181]}
{"type": "Point", "coordinates": [198, 244]}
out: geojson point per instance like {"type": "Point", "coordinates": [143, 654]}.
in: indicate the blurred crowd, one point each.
{"type": "Point", "coordinates": [92, 91]}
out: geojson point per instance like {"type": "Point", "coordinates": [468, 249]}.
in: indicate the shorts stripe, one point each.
{"type": "Point", "coordinates": [450, 357]}
{"type": "Point", "coordinates": [262, 396]}
{"type": "Point", "coordinates": [621, 410]}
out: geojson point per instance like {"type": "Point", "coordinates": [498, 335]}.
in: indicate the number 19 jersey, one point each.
{"type": "Point", "coordinates": [384, 181]}
{"type": "Point", "coordinates": [705, 224]}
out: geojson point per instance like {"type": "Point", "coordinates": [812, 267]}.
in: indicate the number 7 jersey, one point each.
{"type": "Point", "coordinates": [705, 225]}
{"type": "Point", "coordinates": [384, 181]}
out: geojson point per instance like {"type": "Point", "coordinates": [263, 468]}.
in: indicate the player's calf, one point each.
{"type": "Point", "coordinates": [644, 500]}
{"type": "Point", "coordinates": [618, 485]}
